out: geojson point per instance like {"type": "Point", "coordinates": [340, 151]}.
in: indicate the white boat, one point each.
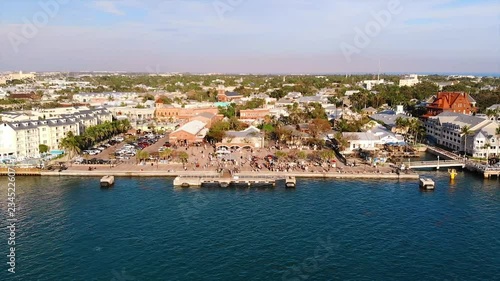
{"type": "Point", "coordinates": [107, 181]}
{"type": "Point", "coordinates": [427, 184]}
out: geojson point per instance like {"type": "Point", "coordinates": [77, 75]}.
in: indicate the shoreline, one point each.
{"type": "Point", "coordinates": [392, 176]}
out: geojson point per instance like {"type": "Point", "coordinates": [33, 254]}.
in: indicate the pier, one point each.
{"type": "Point", "coordinates": [226, 181]}
{"type": "Point", "coordinates": [488, 172]}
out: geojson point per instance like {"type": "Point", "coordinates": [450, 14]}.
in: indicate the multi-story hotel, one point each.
{"type": "Point", "coordinates": [445, 129]}
{"type": "Point", "coordinates": [20, 139]}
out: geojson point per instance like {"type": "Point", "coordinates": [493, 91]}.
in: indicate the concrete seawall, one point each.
{"type": "Point", "coordinates": [392, 176]}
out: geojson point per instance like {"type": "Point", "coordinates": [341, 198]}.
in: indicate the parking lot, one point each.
{"type": "Point", "coordinates": [119, 149]}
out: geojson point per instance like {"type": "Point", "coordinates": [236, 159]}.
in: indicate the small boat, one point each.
{"type": "Point", "coordinates": [427, 184]}
{"type": "Point", "coordinates": [107, 181]}
{"type": "Point", "coordinates": [453, 173]}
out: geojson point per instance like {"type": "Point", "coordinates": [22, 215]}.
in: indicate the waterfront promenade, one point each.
{"type": "Point", "coordinates": [163, 173]}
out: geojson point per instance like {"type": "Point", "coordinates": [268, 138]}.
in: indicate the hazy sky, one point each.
{"type": "Point", "coordinates": [265, 36]}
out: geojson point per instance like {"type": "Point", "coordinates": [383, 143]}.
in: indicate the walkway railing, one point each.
{"type": "Point", "coordinates": [434, 164]}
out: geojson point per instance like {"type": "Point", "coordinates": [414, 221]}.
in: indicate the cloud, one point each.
{"type": "Point", "coordinates": [108, 7]}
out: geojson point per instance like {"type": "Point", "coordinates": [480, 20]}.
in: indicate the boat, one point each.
{"type": "Point", "coordinates": [453, 173]}
{"type": "Point", "coordinates": [427, 184]}
{"type": "Point", "coordinates": [107, 181]}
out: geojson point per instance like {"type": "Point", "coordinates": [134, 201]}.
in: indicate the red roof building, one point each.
{"type": "Point", "coordinates": [451, 102]}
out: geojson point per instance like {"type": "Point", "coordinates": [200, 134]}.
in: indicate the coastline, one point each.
{"type": "Point", "coordinates": [392, 176]}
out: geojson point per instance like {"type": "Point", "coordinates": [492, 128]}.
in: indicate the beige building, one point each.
{"type": "Point", "coordinates": [251, 137]}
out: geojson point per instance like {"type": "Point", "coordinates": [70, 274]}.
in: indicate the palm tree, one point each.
{"type": "Point", "coordinates": [466, 131]}
{"type": "Point", "coordinates": [497, 133]}
{"type": "Point", "coordinates": [487, 146]}
{"type": "Point", "coordinates": [490, 113]}
{"type": "Point", "coordinates": [71, 144]}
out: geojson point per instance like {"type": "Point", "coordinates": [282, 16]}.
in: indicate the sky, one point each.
{"type": "Point", "coordinates": [251, 36]}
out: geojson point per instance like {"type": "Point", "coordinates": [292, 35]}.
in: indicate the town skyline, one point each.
{"type": "Point", "coordinates": [251, 36]}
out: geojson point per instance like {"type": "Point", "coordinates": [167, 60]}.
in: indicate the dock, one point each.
{"type": "Point", "coordinates": [488, 172]}
{"type": "Point", "coordinates": [426, 184]}
{"type": "Point", "coordinates": [107, 181]}
{"type": "Point", "coordinates": [234, 180]}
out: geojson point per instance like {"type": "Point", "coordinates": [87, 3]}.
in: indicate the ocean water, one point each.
{"type": "Point", "coordinates": [143, 229]}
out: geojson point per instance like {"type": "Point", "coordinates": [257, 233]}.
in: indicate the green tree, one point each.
{"type": "Point", "coordinates": [142, 155]}
{"type": "Point", "coordinates": [318, 127]}
{"type": "Point", "coordinates": [466, 131]}
{"type": "Point", "coordinates": [218, 131]}
{"type": "Point", "coordinates": [43, 148]}
{"type": "Point", "coordinates": [183, 156]}
{"type": "Point", "coordinates": [70, 144]}
{"type": "Point", "coordinates": [497, 133]}
{"type": "Point", "coordinates": [228, 111]}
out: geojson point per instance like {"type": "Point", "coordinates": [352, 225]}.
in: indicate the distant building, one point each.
{"type": "Point", "coordinates": [134, 115]}
{"type": "Point", "coordinates": [369, 111]}
{"type": "Point", "coordinates": [32, 96]}
{"type": "Point", "coordinates": [224, 96]}
{"type": "Point", "coordinates": [441, 85]}
{"type": "Point", "coordinates": [494, 107]}
{"type": "Point", "coordinates": [409, 81]}
{"type": "Point", "coordinates": [254, 114]}
{"type": "Point", "coordinates": [369, 84]}
{"type": "Point", "coordinates": [100, 98]}
{"type": "Point", "coordinates": [16, 76]}
{"type": "Point", "coordinates": [170, 113]}
{"type": "Point", "coordinates": [351, 92]}
{"type": "Point", "coordinates": [458, 102]}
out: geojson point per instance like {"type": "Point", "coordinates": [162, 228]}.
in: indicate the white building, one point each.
{"type": "Point", "coordinates": [134, 115]}
{"type": "Point", "coordinates": [409, 81]}
{"type": "Point", "coordinates": [445, 129]}
{"type": "Point", "coordinates": [351, 92]}
{"type": "Point", "coordinates": [250, 137]}
{"type": "Point", "coordinates": [3, 93]}
{"type": "Point", "coordinates": [363, 141]}
{"type": "Point", "coordinates": [21, 139]}
{"type": "Point", "coordinates": [16, 76]}
{"type": "Point", "coordinates": [98, 97]}
{"type": "Point", "coordinates": [369, 84]}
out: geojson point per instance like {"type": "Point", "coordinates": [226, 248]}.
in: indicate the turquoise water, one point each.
{"type": "Point", "coordinates": [144, 229]}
